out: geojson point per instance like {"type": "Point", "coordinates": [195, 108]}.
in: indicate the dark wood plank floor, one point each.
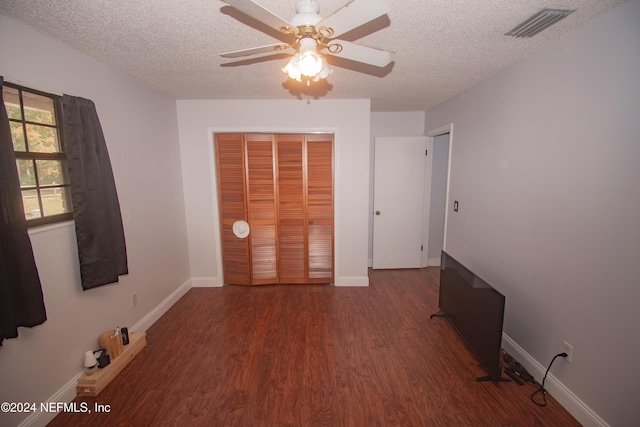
{"type": "Point", "coordinates": [312, 356]}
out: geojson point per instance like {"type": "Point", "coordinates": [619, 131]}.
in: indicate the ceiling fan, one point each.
{"type": "Point", "coordinates": [312, 37]}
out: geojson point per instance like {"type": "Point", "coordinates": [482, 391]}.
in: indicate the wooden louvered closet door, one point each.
{"type": "Point", "coordinates": [320, 208]}
{"type": "Point", "coordinates": [231, 198]}
{"type": "Point", "coordinates": [261, 207]}
{"type": "Point", "coordinates": [291, 208]}
{"type": "Point", "coordinates": [282, 185]}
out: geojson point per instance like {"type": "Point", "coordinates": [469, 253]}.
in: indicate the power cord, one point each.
{"type": "Point", "coordinates": [541, 389]}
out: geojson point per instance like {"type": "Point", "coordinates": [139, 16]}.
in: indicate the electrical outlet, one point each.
{"type": "Point", "coordinates": [134, 300]}
{"type": "Point", "coordinates": [568, 348]}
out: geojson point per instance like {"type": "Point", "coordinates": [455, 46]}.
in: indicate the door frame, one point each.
{"type": "Point", "coordinates": [213, 179]}
{"type": "Point", "coordinates": [431, 135]}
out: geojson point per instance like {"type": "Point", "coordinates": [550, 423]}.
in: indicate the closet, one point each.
{"type": "Point", "coordinates": [281, 185]}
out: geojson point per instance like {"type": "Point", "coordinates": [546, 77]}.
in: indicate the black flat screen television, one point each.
{"type": "Point", "coordinates": [476, 311]}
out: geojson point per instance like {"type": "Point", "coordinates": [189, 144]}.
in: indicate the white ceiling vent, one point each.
{"type": "Point", "coordinates": [538, 22]}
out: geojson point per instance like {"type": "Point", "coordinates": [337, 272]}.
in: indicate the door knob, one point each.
{"type": "Point", "coordinates": [377, 212]}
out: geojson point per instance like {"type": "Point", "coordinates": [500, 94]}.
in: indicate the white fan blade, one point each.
{"type": "Point", "coordinates": [258, 12]}
{"type": "Point", "coordinates": [364, 54]}
{"type": "Point", "coordinates": [277, 47]}
{"type": "Point", "coordinates": [354, 14]}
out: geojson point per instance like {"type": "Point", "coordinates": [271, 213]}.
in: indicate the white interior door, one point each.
{"type": "Point", "coordinates": [398, 195]}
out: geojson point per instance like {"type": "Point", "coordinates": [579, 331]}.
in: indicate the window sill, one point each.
{"type": "Point", "coordinates": [48, 227]}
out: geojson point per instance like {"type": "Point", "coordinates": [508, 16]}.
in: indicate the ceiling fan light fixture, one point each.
{"type": "Point", "coordinates": [314, 38]}
{"type": "Point", "coordinates": [291, 69]}
{"type": "Point", "coordinates": [309, 66]}
{"type": "Point", "coordinates": [308, 63]}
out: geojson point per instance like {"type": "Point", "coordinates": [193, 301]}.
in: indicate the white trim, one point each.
{"type": "Point", "coordinates": [336, 202]}
{"type": "Point", "coordinates": [217, 238]}
{"type": "Point", "coordinates": [66, 393]}
{"type": "Point", "coordinates": [355, 281]}
{"type": "Point", "coordinates": [161, 308]}
{"type": "Point", "coordinates": [433, 262]}
{"type": "Point", "coordinates": [206, 282]}
{"type": "Point", "coordinates": [432, 134]}
{"type": "Point", "coordinates": [48, 227]}
{"type": "Point", "coordinates": [572, 403]}
{"type": "Point", "coordinates": [31, 86]}
{"type": "Point", "coordinates": [426, 202]}
{"type": "Point", "coordinates": [440, 131]}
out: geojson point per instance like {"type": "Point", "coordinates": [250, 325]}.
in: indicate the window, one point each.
{"type": "Point", "coordinates": [36, 131]}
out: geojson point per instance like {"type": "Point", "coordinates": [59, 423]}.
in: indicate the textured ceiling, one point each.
{"type": "Point", "coordinates": [441, 46]}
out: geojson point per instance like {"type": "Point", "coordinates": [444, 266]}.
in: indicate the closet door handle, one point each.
{"type": "Point", "coordinates": [377, 212]}
{"type": "Point", "coordinates": [241, 229]}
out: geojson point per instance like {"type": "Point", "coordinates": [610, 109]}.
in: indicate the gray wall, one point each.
{"type": "Point", "coordinates": [545, 164]}
{"type": "Point", "coordinates": [141, 130]}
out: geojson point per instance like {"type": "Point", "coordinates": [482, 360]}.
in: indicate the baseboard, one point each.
{"type": "Point", "coordinates": [151, 317]}
{"type": "Point", "coordinates": [65, 394]}
{"type": "Point", "coordinates": [433, 262]}
{"type": "Point", "coordinates": [355, 281]}
{"type": "Point", "coordinates": [572, 403]}
{"type": "Point", "coordinates": [206, 282]}
{"type": "Point", "coordinates": [68, 391]}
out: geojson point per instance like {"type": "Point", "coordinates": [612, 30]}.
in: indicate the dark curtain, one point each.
{"type": "Point", "coordinates": [96, 210]}
{"type": "Point", "coordinates": [21, 300]}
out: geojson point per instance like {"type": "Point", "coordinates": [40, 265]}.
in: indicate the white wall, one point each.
{"type": "Point", "coordinates": [408, 123]}
{"type": "Point", "coordinates": [140, 128]}
{"type": "Point", "coordinates": [545, 166]}
{"type": "Point", "coordinates": [348, 119]}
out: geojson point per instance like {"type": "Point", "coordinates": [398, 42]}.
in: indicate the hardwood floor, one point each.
{"type": "Point", "coordinates": [312, 355]}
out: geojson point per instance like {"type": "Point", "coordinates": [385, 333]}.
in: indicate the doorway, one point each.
{"type": "Point", "coordinates": [436, 208]}
{"type": "Point", "coordinates": [429, 233]}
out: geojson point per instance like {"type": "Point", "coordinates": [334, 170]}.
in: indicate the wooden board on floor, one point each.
{"type": "Point", "coordinates": [92, 385]}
